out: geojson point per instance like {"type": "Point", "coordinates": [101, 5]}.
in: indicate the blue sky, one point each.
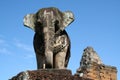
{"type": "Point", "coordinates": [97, 24]}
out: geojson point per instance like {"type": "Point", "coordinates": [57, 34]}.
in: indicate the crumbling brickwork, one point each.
{"type": "Point", "coordinates": [91, 67]}
{"type": "Point", "coordinates": [98, 72]}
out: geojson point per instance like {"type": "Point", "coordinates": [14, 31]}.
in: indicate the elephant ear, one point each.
{"type": "Point", "coordinates": [68, 18]}
{"type": "Point", "coordinates": [29, 21]}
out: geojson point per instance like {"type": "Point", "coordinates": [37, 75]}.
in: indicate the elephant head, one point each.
{"type": "Point", "coordinates": [63, 18]}
{"type": "Point", "coordinates": [48, 22]}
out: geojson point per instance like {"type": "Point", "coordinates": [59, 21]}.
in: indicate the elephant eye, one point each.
{"type": "Point", "coordinates": [38, 23]}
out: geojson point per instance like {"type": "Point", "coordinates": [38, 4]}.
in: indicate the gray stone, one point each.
{"type": "Point", "coordinates": [51, 41]}
{"type": "Point", "coordinates": [89, 56]}
{"type": "Point", "coordinates": [47, 74]}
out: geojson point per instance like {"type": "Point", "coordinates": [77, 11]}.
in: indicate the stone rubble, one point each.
{"type": "Point", "coordinates": [92, 67]}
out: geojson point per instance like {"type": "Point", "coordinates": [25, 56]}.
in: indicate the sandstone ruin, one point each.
{"type": "Point", "coordinates": [52, 49]}
{"type": "Point", "coordinates": [92, 67]}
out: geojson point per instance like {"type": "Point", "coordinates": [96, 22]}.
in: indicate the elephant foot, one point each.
{"type": "Point", "coordinates": [49, 60]}
{"type": "Point", "coordinates": [60, 60]}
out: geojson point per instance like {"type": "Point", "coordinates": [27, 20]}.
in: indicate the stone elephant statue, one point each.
{"type": "Point", "coordinates": [51, 42]}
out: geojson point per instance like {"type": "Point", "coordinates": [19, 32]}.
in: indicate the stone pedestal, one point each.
{"type": "Point", "coordinates": [47, 74]}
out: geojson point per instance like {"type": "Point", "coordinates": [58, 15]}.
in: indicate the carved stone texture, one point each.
{"type": "Point", "coordinates": [91, 67]}
{"type": "Point", "coordinates": [48, 74]}
{"type": "Point", "coordinates": [89, 56]}
{"type": "Point", "coordinates": [51, 41]}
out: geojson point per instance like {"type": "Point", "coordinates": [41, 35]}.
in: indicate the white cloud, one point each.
{"type": "Point", "coordinates": [28, 56]}
{"type": "Point", "coordinates": [2, 41]}
{"type": "Point", "coordinates": [4, 51]}
{"type": "Point", "coordinates": [1, 36]}
{"type": "Point", "coordinates": [24, 46]}
{"type": "Point", "coordinates": [4, 46]}
{"type": "Point", "coordinates": [7, 46]}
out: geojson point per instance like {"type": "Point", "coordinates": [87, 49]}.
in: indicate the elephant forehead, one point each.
{"type": "Point", "coordinates": [50, 11]}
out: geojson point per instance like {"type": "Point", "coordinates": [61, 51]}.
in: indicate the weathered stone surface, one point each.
{"type": "Point", "coordinates": [90, 71]}
{"type": "Point", "coordinates": [47, 74]}
{"type": "Point", "coordinates": [51, 41]}
{"type": "Point", "coordinates": [92, 67]}
{"type": "Point", "coordinates": [89, 55]}
{"type": "Point", "coordinates": [98, 72]}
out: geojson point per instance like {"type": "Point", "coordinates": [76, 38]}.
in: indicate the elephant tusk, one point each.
{"type": "Point", "coordinates": [44, 66]}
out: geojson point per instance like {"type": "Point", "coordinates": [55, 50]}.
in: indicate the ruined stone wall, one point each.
{"type": "Point", "coordinates": [99, 72]}
{"type": "Point", "coordinates": [92, 67]}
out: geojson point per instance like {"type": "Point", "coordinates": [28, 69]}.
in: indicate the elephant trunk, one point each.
{"type": "Point", "coordinates": [49, 32]}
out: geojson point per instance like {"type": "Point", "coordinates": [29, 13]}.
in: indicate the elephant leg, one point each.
{"type": "Point", "coordinates": [39, 50]}
{"type": "Point", "coordinates": [60, 58]}
{"type": "Point", "coordinates": [49, 59]}
{"type": "Point", "coordinates": [40, 61]}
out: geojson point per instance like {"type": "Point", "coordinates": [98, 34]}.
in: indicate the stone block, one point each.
{"type": "Point", "coordinates": [47, 74]}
